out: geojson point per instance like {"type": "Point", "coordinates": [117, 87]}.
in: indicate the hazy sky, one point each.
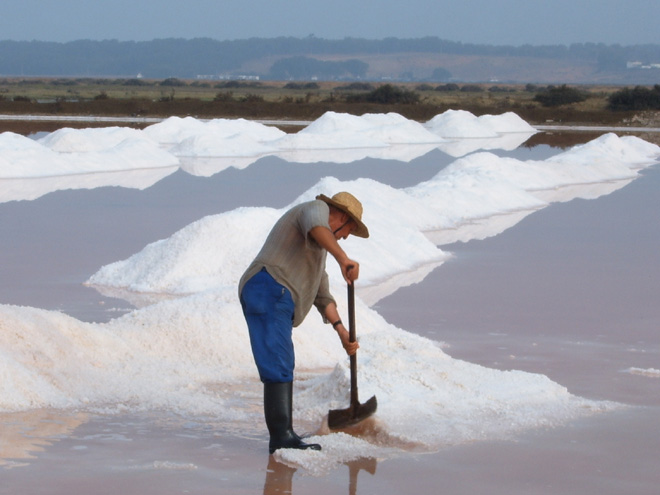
{"type": "Point", "coordinates": [499, 22]}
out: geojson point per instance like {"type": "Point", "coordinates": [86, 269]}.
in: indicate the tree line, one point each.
{"type": "Point", "coordinates": [183, 58]}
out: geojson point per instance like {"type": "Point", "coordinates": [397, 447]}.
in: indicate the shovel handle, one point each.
{"type": "Point", "coordinates": [352, 337]}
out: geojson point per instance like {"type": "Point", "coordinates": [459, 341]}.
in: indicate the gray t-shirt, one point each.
{"type": "Point", "coordinates": [295, 260]}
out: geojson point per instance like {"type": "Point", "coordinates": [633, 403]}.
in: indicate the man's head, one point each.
{"type": "Point", "coordinates": [351, 207]}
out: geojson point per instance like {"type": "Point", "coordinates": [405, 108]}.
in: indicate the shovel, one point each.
{"type": "Point", "coordinates": [356, 412]}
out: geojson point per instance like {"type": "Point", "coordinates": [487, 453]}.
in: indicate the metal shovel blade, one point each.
{"type": "Point", "coordinates": [342, 418]}
{"type": "Point", "coordinates": [356, 412]}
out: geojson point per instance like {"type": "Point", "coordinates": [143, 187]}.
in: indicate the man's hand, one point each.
{"type": "Point", "coordinates": [350, 347]}
{"type": "Point", "coordinates": [350, 270]}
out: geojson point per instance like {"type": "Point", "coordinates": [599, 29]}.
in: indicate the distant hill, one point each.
{"type": "Point", "coordinates": [425, 59]}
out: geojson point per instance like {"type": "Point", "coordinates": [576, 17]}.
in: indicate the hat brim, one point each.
{"type": "Point", "coordinates": [361, 230]}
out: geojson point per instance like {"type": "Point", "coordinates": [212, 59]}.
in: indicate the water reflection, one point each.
{"type": "Point", "coordinates": [35, 187]}
{"type": "Point", "coordinates": [560, 139]}
{"type": "Point", "coordinates": [25, 433]}
{"type": "Point", "coordinates": [400, 152]}
{"type": "Point", "coordinates": [483, 228]}
{"type": "Point", "coordinates": [279, 476]}
{"type": "Point", "coordinates": [506, 142]}
{"type": "Point", "coordinates": [354, 468]}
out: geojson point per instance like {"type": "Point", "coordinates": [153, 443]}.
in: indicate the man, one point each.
{"type": "Point", "coordinates": [279, 288]}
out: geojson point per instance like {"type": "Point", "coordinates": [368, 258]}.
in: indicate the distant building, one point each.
{"type": "Point", "coordinates": [641, 65]}
{"type": "Point", "coordinates": [227, 77]}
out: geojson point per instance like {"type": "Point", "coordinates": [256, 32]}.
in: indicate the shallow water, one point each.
{"type": "Point", "coordinates": [569, 292]}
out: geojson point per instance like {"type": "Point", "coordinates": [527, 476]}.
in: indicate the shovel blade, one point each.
{"type": "Point", "coordinates": [342, 418]}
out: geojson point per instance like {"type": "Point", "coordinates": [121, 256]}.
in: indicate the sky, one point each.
{"type": "Point", "coordinates": [505, 22]}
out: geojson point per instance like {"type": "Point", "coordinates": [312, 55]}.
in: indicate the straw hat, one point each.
{"type": "Point", "coordinates": [349, 204]}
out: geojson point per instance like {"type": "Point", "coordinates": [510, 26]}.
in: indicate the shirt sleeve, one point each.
{"type": "Point", "coordinates": [314, 215]}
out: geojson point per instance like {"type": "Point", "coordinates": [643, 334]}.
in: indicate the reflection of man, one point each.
{"type": "Point", "coordinates": [279, 288]}
{"type": "Point", "coordinates": [279, 477]}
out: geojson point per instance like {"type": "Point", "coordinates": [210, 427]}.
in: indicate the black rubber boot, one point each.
{"type": "Point", "coordinates": [278, 406]}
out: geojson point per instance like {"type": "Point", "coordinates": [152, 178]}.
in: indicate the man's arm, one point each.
{"type": "Point", "coordinates": [332, 315]}
{"type": "Point", "coordinates": [350, 269]}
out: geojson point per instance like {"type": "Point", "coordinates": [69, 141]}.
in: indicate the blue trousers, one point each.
{"type": "Point", "coordinates": [268, 310]}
